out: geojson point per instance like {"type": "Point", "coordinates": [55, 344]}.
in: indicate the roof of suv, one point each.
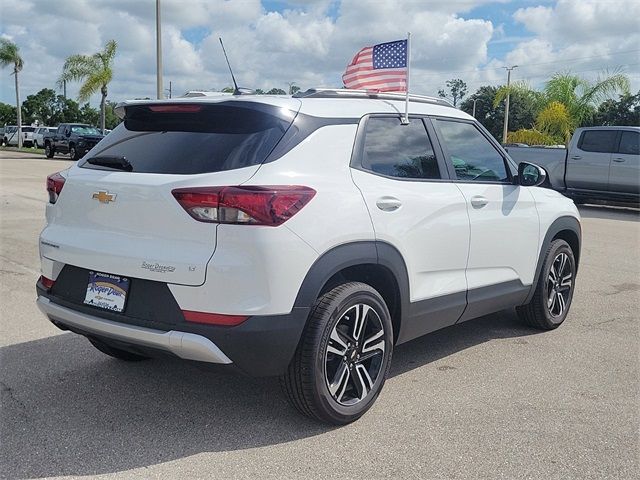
{"type": "Point", "coordinates": [338, 103]}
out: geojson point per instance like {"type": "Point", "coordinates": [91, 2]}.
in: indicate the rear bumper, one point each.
{"type": "Point", "coordinates": [260, 346]}
{"type": "Point", "coordinates": [185, 345]}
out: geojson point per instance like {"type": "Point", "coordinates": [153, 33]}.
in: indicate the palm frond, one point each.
{"type": "Point", "coordinates": [10, 55]}
{"type": "Point", "coordinates": [516, 88]}
{"type": "Point", "coordinates": [606, 86]}
{"type": "Point", "coordinates": [91, 85]}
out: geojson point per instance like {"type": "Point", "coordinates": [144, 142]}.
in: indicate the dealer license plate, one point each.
{"type": "Point", "coordinates": [107, 291]}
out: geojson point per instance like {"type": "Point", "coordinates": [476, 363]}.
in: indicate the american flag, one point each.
{"type": "Point", "coordinates": [382, 67]}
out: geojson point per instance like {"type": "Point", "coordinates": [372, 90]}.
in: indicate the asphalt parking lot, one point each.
{"type": "Point", "coordinates": [486, 399]}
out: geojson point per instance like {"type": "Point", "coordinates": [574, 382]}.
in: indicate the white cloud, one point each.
{"type": "Point", "coordinates": [311, 41]}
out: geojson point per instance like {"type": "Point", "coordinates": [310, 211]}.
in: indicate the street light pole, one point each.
{"type": "Point", "coordinates": [160, 90]}
{"type": "Point", "coordinates": [506, 106]}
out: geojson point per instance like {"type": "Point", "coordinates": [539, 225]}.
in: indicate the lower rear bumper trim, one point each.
{"type": "Point", "coordinates": [188, 346]}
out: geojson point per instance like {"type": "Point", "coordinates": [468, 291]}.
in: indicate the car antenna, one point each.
{"type": "Point", "coordinates": [236, 90]}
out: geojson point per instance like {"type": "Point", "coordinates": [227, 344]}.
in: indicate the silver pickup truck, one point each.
{"type": "Point", "coordinates": [601, 164]}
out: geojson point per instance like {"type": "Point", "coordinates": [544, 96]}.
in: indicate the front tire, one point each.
{"type": "Point", "coordinates": [343, 358]}
{"type": "Point", "coordinates": [73, 153]}
{"type": "Point", "coordinates": [554, 291]}
{"type": "Point", "coordinates": [48, 150]}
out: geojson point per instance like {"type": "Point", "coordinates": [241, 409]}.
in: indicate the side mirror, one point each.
{"type": "Point", "coordinates": [530, 175]}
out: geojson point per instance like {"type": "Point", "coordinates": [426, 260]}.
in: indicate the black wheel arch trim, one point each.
{"type": "Point", "coordinates": [561, 224]}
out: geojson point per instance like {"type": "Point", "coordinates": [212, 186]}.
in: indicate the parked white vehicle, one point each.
{"type": "Point", "coordinates": [10, 138]}
{"type": "Point", "coordinates": [300, 236]}
{"type": "Point", "coordinates": [39, 133]}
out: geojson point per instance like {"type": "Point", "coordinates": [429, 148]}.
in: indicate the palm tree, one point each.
{"type": "Point", "coordinates": [566, 102]}
{"type": "Point", "coordinates": [10, 55]}
{"type": "Point", "coordinates": [96, 71]}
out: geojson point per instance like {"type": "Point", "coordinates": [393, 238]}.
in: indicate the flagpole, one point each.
{"type": "Point", "coordinates": [405, 121]}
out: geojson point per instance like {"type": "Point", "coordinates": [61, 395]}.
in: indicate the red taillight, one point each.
{"type": "Point", "coordinates": [55, 182]}
{"type": "Point", "coordinates": [175, 108]}
{"type": "Point", "coordinates": [46, 282]}
{"type": "Point", "coordinates": [213, 318]}
{"type": "Point", "coordinates": [246, 205]}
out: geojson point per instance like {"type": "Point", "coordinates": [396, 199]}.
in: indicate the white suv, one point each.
{"type": "Point", "coordinates": [302, 237]}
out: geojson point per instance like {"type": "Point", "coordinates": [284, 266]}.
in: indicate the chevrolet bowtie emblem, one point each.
{"type": "Point", "coordinates": [104, 197]}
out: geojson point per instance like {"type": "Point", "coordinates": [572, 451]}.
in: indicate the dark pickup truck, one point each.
{"type": "Point", "coordinates": [76, 139]}
{"type": "Point", "coordinates": [602, 164]}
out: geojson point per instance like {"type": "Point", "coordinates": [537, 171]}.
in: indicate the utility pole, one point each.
{"type": "Point", "coordinates": [160, 90]}
{"type": "Point", "coordinates": [506, 106]}
{"type": "Point", "coordinates": [474, 108]}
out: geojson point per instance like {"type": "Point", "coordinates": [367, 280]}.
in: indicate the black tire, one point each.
{"type": "Point", "coordinates": [116, 352]}
{"type": "Point", "coordinates": [306, 382]}
{"type": "Point", "coordinates": [73, 153]}
{"type": "Point", "coordinates": [545, 310]}
{"type": "Point", "coordinates": [48, 150]}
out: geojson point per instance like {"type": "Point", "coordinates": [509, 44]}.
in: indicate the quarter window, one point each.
{"type": "Point", "coordinates": [471, 154]}
{"type": "Point", "coordinates": [397, 150]}
{"type": "Point", "coordinates": [597, 141]}
{"type": "Point", "coordinates": [630, 143]}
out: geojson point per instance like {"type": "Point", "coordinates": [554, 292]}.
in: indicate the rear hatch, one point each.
{"type": "Point", "coordinates": [116, 212]}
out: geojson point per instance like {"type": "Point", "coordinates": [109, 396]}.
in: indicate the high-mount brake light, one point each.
{"type": "Point", "coordinates": [244, 205]}
{"type": "Point", "coordinates": [188, 108]}
{"type": "Point", "coordinates": [55, 182]}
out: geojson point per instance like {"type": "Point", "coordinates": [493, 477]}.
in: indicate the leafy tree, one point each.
{"type": "Point", "coordinates": [111, 120]}
{"type": "Point", "coordinates": [10, 57]}
{"type": "Point", "coordinates": [625, 111]}
{"type": "Point", "coordinates": [258, 91]}
{"type": "Point", "coordinates": [89, 115]}
{"type": "Point", "coordinates": [96, 71]}
{"type": "Point", "coordinates": [41, 106]}
{"type": "Point", "coordinates": [522, 110]}
{"type": "Point", "coordinates": [228, 90]}
{"type": "Point", "coordinates": [7, 114]}
{"type": "Point", "coordinates": [276, 91]}
{"type": "Point", "coordinates": [457, 89]}
{"type": "Point", "coordinates": [293, 88]}
{"type": "Point", "coordinates": [67, 111]}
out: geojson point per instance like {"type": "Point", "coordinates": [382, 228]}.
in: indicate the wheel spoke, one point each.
{"type": "Point", "coordinates": [362, 381]}
{"type": "Point", "coordinates": [563, 262]}
{"type": "Point", "coordinates": [360, 321]}
{"type": "Point", "coordinates": [551, 303]}
{"type": "Point", "coordinates": [340, 381]}
{"type": "Point", "coordinates": [374, 342]}
{"type": "Point", "coordinates": [337, 346]}
{"type": "Point", "coordinates": [561, 303]}
{"type": "Point", "coordinates": [552, 273]}
{"type": "Point", "coordinates": [565, 283]}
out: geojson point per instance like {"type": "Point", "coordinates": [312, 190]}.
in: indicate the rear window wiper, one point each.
{"type": "Point", "coordinates": [119, 163]}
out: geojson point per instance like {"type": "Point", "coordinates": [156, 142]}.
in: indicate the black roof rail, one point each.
{"type": "Point", "coordinates": [371, 94]}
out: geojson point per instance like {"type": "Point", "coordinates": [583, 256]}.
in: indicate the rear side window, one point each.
{"type": "Point", "coordinates": [597, 141]}
{"type": "Point", "coordinates": [191, 139]}
{"type": "Point", "coordinates": [471, 154]}
{"type": "Point", "coordinates": [630, 143]}
{"type": "Point", "coordinates": [397, 150]}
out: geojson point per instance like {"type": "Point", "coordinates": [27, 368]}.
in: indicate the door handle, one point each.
{"type": "Point", "coordinates": [576, 157]}
{"type": "Point", "coordinates": [618, 159]}
{"type": "Point", "coordinates": [479, 201]}
{"type": "Point", "coordinates": [388, 204]}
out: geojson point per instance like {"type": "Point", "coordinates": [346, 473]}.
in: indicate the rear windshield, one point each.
{"type": "Point", "coordinates": [194, 138]}
{"type": "Point", "coordinates": [28, 129]}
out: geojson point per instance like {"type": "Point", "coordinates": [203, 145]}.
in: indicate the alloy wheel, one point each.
{"type": "Point", "coordinates": [559, 284]}
{"type": "Point", "coordinates": [354, 354]}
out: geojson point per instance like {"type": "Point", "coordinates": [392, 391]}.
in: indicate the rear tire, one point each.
{"type": "Point", "coordinates": [344, 355]}
{"type": "Point", "coordinates": [48, 150]}
{"type": "Point", "coordinates": [116, 352]}
{"type": "Point", "coordinates": [554, 291]}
